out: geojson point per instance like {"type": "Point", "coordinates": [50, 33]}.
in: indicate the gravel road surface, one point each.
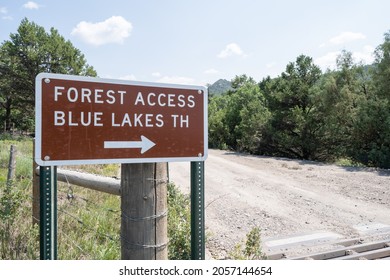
{"type": "Point", "coordinates": [292, 201]}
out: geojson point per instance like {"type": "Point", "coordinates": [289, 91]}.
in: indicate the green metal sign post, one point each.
{"type": "Point", "coordinates": [197, 211]}
{"type": "Point", "coordinates": [48, 212]}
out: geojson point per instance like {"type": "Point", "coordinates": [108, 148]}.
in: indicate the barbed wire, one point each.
{"type": "Point", "coordinates": [80, 203]}
{"type": "Point", "coordinates": [71, 241]}
{"type": "Point", "coordinates": [112, 238]}
{"type": "Point", "coordinates": [70, 196]}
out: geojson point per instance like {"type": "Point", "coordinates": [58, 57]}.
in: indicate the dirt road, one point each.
{"type": "Point", "coordinates": [288, 198]}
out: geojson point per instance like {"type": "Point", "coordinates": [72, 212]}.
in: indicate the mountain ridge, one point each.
{"type": "Point", "coordinates": [219, 87]}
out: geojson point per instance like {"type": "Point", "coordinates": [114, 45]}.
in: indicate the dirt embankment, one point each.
{"type": "Point", "coordinates": [285, 198]}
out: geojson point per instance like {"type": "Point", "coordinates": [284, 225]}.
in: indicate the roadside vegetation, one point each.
{"type": "Point", "coordinates": [88, 221]}
{"type": "Point", "coordinates": [18, 237]}
{"type": "Point", "coordinates": [250, 248]}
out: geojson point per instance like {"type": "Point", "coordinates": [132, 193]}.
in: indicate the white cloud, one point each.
{"type": "Point", "coordinates": [156, 74]}
{"type": "Point", "coordinates": [4, 12]}
{"type": "Point", "coordinates": [366, 55]}
{"type": "Point", "coordinates": [176, 80]}
{"type": "Point", "coordinates": [327, 61]}
{"type": "Point", "coordinates": [231, 49]}
{"type": "Point", "coordinates": [130, 77]}
{"type": "Point", "coordinates": [31, 5]}
{"type": "Point", "coordinates": [270, 65]}
{"type": "Point", "coordinates": [211, 71]}
{"type": "Point", "coordinates": [346, 37]}
{"type": "Point", "coordinates": [113, 30]}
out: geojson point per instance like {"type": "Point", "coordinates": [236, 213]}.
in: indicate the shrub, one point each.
{"type": "Point", "coordinates": [179, 225]}
{"type": "Point", "coordinates": [252, 249]}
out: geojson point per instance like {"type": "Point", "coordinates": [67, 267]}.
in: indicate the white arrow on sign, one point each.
{"type": "Point", "coordinates": [145, 144]}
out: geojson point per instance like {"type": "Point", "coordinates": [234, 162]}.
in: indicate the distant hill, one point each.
{"type": "Point", "coordinates": [219, 87]}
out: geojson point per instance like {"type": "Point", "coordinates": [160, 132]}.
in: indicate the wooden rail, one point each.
{"type": "Point", "coordinates": [90, 181]}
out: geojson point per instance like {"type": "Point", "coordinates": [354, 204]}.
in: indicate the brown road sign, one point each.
{"type": "Point", "coordinates": [84, 120]}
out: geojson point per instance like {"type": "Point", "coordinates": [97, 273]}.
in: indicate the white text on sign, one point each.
{"type": "Point", "coordinates": [117, 97]}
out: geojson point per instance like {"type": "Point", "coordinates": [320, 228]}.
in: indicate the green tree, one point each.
{"type": "Point", "coordinates": [342, 92]}
{"type": "Point", "coordinates": [236, 119]}
{"type": "Point", "coordinates": [248, 115]}
{"type": "Point", "coordinates": [306, 114]}
{"type": "Point", "coordinates": [29, 52]}
{"type": "Point", "coordinates": [241, 80]}
{"type": "Point", "coordinates": [295, 122]}
{"type": "Point", "coordinates": [381, 69]}
{"type": "Point", "coordinates": [218, 130]}
{"type": "Point", "coordinates": [371, 131]}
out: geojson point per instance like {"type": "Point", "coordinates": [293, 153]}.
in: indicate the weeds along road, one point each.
{"type": "Point", "coordinates": [287, 198]}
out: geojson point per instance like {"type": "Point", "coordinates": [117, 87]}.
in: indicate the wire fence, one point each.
{"type": "Point", "coordinates": [88, 220]}
{"type": "Point", "coordinates": [88, 224]}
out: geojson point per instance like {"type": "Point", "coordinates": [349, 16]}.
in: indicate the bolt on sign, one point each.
{"type": "Point", "coordinates": [84, 120]}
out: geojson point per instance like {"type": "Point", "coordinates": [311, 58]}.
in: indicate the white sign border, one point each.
{"type": "Point", "coordinates": [38, 119]}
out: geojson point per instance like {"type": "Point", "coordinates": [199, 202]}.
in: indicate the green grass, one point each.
{"type": "Point", "coordinates": [18, 236]}
{"type": "Point", "coordinates": [88, 224]}
{"type": "Point", "coordinates": [347, 162]}
{"type": "Point", "coordinates": [88, 221]}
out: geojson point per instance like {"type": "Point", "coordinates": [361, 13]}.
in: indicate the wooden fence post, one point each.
{"type": "Point", "coordinates": [144, 211]}
{"type": "Point", "coordinates": [11, 165]}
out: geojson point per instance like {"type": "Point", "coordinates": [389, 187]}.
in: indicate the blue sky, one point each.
{"type": "Point", "coordinates": [198, 42]}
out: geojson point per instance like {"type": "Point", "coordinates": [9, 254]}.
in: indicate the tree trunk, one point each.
{"type": "Point", "coordinates": [7, 117]}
